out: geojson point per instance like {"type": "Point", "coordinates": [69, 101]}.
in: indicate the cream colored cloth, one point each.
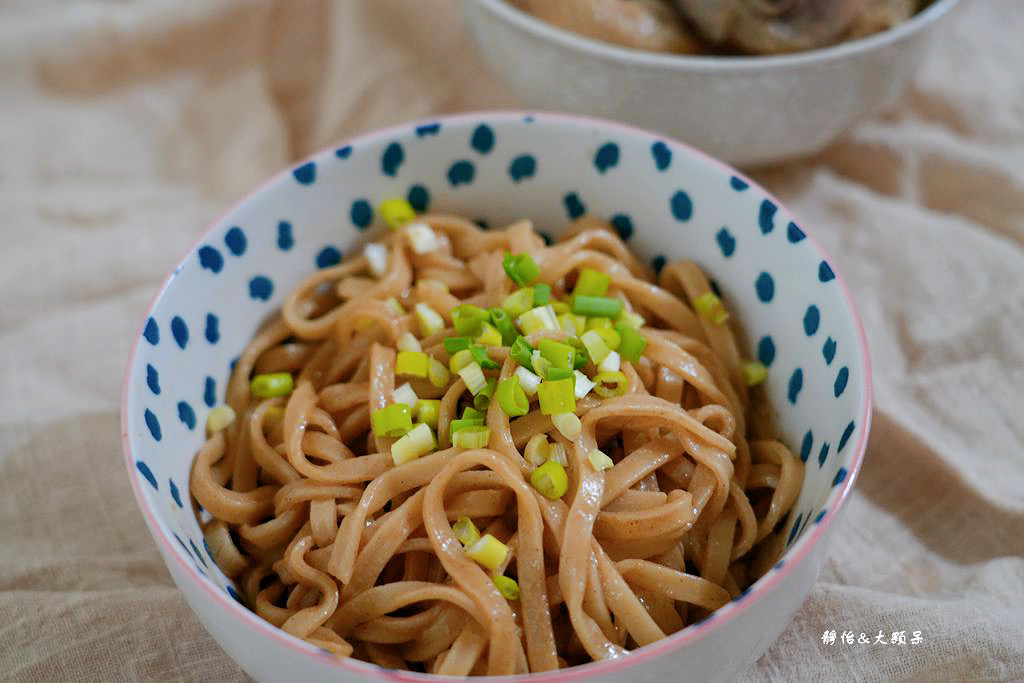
{"type": "Point", "coordinates": [126, 126]}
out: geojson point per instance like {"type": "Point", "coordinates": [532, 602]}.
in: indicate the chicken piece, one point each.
{"type": "Point", "coordinates": [642, 24]}
{"type": "Point", "coordinates": [778, 26]}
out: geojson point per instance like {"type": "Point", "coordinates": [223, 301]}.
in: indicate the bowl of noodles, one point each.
{"type": "Point", "coordinates": [503, 393]}
{"type": "Point", "coordinates": [752, 82]}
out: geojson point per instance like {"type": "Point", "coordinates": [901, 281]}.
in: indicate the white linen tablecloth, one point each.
{"type": "Point", "coordinates": [125, 127]}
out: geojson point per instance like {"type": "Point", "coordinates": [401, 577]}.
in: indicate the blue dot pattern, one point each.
{"type": "Point", "coordinates": [361, 214]}
{"type": "Point", "coordinates": [847, 433]}
{"type": "Point", "coordinates": [726, 242]}
{"type": "Point", "coordinates": [175, 495]}
{"type": "Point", "coordinates": [821, 516]}
{"type": "Point", "coordinates": [186, 415]}
{"type": "Point", "coordinates": [795, 530]}
{"type": "Point", "coordinates": [482, 139]}
{"type": "Point", "coordinates": [147, 473]}
{"type": "Point", "coordinates": [391, 159]}
{"type": "Point", "coordinates": [825, 272]}
{"type": "Point", "coordinates": [766, 216]}
{"type": "Point", "coordinates": [285, 238]}
{"type": "Point", "coordinates": [428, 129]}
{"type": "Point", "coordinates": [828, 351]}
{"type": "Point", "coordinates": [796, 383]}
{"type": "Point", "coordinates": [152, 379]}
{"type": "Point", "coordinates": [806, 445]}
{"type": "Point", "coordinates": [523, 166]}
{"type": "Point", "coordinates": [812, 318]}
{"type": "Point", "coordinates": [212, 331]}
{"type": "Point", "coordinates": [260, 287]}
{"type": "Point", "coordinates": [623, 225]}
{"type": "Point", "coordinates": [209, 392]}
{"type": "Point", "coordinates": [461, 173]}
{"type": "Point", "coordinates": [841, 379]}
{"type": "Point", "coordinates": [738, 184]}
{"type": "Point", "coordinates": [766, 350]}
{"type": "Point", "coordinates": [210, 259]}
{"type": "Point", "coordinates": [662, 155]}
{"type": "Point", "coordinates": [343, 152]}
{"type": "Point", "coordinates": [179, 330]}
{"type": "Point", "coordinates": [306, 173]}
{"type": "Point", "coordinates": [152, 332]}
{"type": "Point", "coordinates": [419, 197]}
{"type": "Point", "coordinates": [823, 454]}
{"type": "Point", "coordinates": [682, 207]}
{"type": "Point", "coordinates": [235, 241]}
{"type": "Point", "coordinates": [658, 262]}
{"type": "Point", "coordinates": [153, 425]}
{"type": "Point", "coordinates": [765, 287]}
{"type": "Point", "coordinates": [793, 233]}
{"type": "Point", "coordinates": [607, 157]}
{"type": "Point", "coordinates": [328, 256]}
{"type": "Point", "coordinates": [840, 477]}
{"type": "Point", "coordinates": [573, 206]}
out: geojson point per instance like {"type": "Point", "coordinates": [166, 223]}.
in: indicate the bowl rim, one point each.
{"type": "Point", "coordinates": [794, 556]}
{"type": "Point", "coordinates": [617, 53]}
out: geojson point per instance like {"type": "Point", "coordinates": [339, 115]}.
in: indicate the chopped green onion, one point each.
{"type": "Point", "coordinates": [518, 302]}
{"type": "Point", "coordinates": [565, 321]}
{"type": "Point", "coordinates": [503, 324]}
{"type": "Point", "coordinates": [600, 460]}
{"type": "Point", "coordinates": [396, 212]}
{"type": "Point", "coordinates": [583, 384]}
{"type": "Point", "coordinates": [417, 442]}
{"type": "Point", "coordinates": [520, 268]}
{"type": "Point", "coordinates": [471, 437]}
{"type": "Point", "coordinates": [567, 424]}
{"type": "Point", "coordinates": [603, 306]}
{"type": "Point", "coordinates": [540, 364]}
{"type": "Point", "coordinates": [591, 283]}
{"type": "Point", "coordinates": [427, 411]}
{"type": "Point", "coordinates": [521, 352]}
{"type": "Point", "coordinates": [508, 588]}
{"type": "Point", "coordinates": [596, 347]}
{"type": "Point", "coordinates": [488, 551]}
{"type": "Point", "coordinates": [611, 363]}
{"type": "Point", "coordinates": [558, 354]}
{"type": "Point", "coordinates": [393, 420]}
{"type": "Point", "coordinates": [559, 307]}
{"type": "Point", "coordinates": [453, 344]}
{"type": "Point", "coordinates": [537, 319]}
{"type": "Point", "coordinates": [474, 378]}
{"type": "Point", "coordinates": [483, 400]}
{"type": "Point", "coordinates": [466, 531]}
{"type": "Point", "coordinates": [219, 418]}
{"type": "Point", "coordinates": [272, 385]}
{"type": "Point", "coordinates": [470, 413]}
{"type": "Point", "coordinates": [438, 374]}
{"type": "Point", "coordinates": [754, 372]}
{"type": "Point", "coordinates": [404, 394]}
{"type": "Point", "coordinates": [556, 396]}
{"type": "Point", "coordinates": [479, 354]}
{"type": "Point", "coordinates": [394, 306]}
{"type": "Point", "coordinates": [632, 343]}
{"type": "Point", "coordinates": [422, 238]}
{"type": "Point", "coordinates": [631, 319]}
{"type": "Point", "coordinates": [527, 380]}
{"type": "Point", "coordinates": [581, 352]}
{"type": "Point", "coordinates": [430, 321]}
{"type": "Point", "coordinates": [467, 319]}
{"type": "Point", "coordinates": [460, 360]}
{"type": "Point", "coordinates": [558, 373]}
{"type": "Point", "coordinates": [556, 453]}
{"type": "Point", "coordinates": [376, 258]}
{"type": "Point", "coordinates": [512, 398]}
{"type": "Point", "coordinates": [711, 308]}
{"type": "Point", "coordinates": [412, 363]}
{"type": "Point", "coordinates": [489, 334]}
{"type": "Point", "coordinates": [459, 424]}
{"type": "Point", "coordinates": [407, 341]}
{"type": "Point", "coordinates": [599, 323]}
{"type": "Point", "coordinates": [537, 449]}
{"type": "Point", "coordinates": [551, 480]}
{"type": "Point", "coordinates": [541, 293]}
{"type": "Point", "coordinates": [608, 384]}
{"type": "Point", "coordinates": [611, 338]}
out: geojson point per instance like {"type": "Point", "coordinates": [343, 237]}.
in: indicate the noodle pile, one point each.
{"type": "Point", "coordinates": [331, 541]}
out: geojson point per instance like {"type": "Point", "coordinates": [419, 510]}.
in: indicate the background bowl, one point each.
{"type": "Point", "coordinates": [745, 110]}
{"type": "Point", "coordinates": [668, 201]}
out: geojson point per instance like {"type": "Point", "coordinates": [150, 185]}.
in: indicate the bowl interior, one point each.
{"type": "Point", "coordinates": [666, 200]}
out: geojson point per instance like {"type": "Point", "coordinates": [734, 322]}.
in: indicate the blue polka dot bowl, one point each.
{"type": "Point", "coordinates": [666, 200]}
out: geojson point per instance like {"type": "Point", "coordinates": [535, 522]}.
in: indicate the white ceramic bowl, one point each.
{"type": "Point", "coordinates": [666, 199]}
{"type": "Point", "coordinates": [745, 110]}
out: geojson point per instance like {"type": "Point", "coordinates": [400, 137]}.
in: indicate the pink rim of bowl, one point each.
{"type": "Point", "coordinates": [794, 555]}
